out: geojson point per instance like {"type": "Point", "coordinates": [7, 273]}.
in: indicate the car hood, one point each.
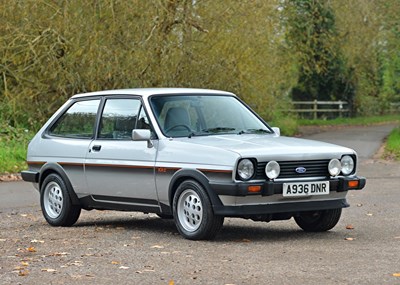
{"type": "Point", "coordinates": [265, 147]}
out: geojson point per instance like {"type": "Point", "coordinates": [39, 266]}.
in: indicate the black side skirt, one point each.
{"type": "Point", "coordinates": [119, 204]}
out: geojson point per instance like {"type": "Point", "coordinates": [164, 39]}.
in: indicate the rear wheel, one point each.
{"type": "Point", "coordinates": [56, 203]}
{"type": "Point", "coordinates": [193, 212]}
{"type": "Point", "coordinates": [318, 221]}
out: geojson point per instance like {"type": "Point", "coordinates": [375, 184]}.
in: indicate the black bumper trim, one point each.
{"type": "Point", "coordinates": [30, 176]}
{"type": "Point", "coordinates": [269, 188]}
{"type": "Point", "coordinates": [293, 207]}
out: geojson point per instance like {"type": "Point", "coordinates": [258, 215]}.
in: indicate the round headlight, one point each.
{"type": "Point", "coordinates": [334, 167]}
{"type": "Point", "coordinates": [347, 164]}
{"type": "Point", "coordinates": [272, 169]}
{"type": "Point", "coordinates": [245, 169]}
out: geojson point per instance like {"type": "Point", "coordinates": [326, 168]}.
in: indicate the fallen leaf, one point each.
{"type": "Point", "coordinates": [76, 263]}
{"type": "Point", "coordinates": [48, 270]}
{"type": "Point", "coordinates": [115, 262]}
{"type": "Point", "coordinates": [171, 282]}
{"type": "Point", "coordinates": [350, 227]}
{"type": "Point", "coordinates": [396, 274]}
{"type": "Point", "coordinates": [349, 238]}
{"type": "Point", "coordinates": [23, 273]}
{"type": "Point", "coordinates": [60, 253]}
{"type": "Point", "coordinates": [89, 275]}
{"type": "Point", "coordinates": [37, 241]}
{"type": "Point", "coordinates": [31, 249]}
{"type": "Point", "coordinates": [23, 263]}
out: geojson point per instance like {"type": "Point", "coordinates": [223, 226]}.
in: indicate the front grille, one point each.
{"type": "Point", "coordinates": [314, 168]}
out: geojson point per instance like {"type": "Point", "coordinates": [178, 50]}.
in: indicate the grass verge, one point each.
{"type": "Point", "coordinates": [351, 121]}
{"type": "Point", "coordinates": [392, 149]}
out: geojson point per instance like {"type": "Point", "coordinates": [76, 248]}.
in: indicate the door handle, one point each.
{"type": "Point", "coordinates": [96, 147]}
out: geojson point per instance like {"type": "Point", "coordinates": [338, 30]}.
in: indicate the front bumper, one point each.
{"type": "Point", "coordinates": [269, 188]}
{"type": "Point", "coordinates": [280, 206]}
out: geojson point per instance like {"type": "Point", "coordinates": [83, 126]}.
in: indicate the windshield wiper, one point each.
{"type": "Point", "coordinates": [254, 131]}
{"type": "Point", "coordinates": [218, 130]}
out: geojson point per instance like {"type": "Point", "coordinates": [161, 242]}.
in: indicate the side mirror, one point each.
{"type": "Point", "coordinates": [277, 131]}
{"type": "Point", "coordinates": [142, 135]}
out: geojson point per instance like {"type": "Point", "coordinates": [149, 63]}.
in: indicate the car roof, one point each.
{"type": "Point", "coordinates": [145, 92]}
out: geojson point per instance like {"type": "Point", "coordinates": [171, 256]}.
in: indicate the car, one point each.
{"type": "Point", "coordinates": [192, 155]}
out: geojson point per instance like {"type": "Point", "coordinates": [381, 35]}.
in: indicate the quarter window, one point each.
{"type": "Point", "coordinates": [78, 121]}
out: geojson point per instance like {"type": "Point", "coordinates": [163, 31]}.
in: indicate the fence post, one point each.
{"type": "Point", "coordinates": [315, 109]}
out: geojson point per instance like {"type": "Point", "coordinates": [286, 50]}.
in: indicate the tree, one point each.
{"type": "Point", "coordinates": [312, 36]}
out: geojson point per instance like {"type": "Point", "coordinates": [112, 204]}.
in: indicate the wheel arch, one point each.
{"type": "Point", "coordinates": [50, 168]}
{"type": "Point", "coordinates": [191, 174]}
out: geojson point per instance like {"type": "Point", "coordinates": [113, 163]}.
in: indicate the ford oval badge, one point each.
{"type": "Point", "coordinates": [300, 170]}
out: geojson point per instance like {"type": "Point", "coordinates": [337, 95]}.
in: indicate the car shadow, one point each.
{"type": "Point", "coordinates": [234, 230]}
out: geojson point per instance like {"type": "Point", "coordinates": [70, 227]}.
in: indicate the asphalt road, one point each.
{"type": "Point", "coordinates": [134, 248]}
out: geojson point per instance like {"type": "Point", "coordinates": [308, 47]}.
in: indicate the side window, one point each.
{"type": "Point", "coordinates": [119, 118]}
{"type": "Point", "coordinates": [78, 121]}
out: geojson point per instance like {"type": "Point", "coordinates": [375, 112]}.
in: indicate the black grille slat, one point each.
{"type": "Point", "coordinates": [315, 168]}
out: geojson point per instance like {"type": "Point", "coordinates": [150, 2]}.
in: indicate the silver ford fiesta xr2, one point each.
{"type": "Point", "coordinates": [193, 155]}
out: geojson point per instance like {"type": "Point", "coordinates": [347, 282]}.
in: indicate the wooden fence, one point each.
{"type": "Point", "coordinates": [316, 108]}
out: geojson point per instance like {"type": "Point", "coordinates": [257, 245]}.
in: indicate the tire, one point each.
{"type": "Point", "coordinates": [193, 214]}
{"type": "Point", "coordinates": [56, 204]}
{"type": "Point", "coordinates": [318, 221]}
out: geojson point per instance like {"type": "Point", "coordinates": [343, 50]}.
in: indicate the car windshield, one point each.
{"type": "Point", "coordinates": [199, 115]}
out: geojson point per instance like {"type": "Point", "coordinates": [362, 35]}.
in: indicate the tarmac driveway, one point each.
{"type": "Point", "coordinates": [134, 248]}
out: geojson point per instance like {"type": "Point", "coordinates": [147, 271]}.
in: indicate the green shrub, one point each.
{"type": "Point", "coordinates": [13, 145]}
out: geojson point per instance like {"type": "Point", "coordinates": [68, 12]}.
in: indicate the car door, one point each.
{"type": "Point", "coordinates": [119, 170]}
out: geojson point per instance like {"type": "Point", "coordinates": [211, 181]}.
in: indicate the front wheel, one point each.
{"type": "Point", "coordinates": [193, 212]}
{"type": "Point", "coordinates": [318, 221]}
{"type": "Point", "coordinates": [56, 203]}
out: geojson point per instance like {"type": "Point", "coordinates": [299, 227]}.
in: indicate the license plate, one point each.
{"type": "Point", "coordinates": [305, 189]}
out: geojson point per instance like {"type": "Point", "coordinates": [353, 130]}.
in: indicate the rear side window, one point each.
{"type": "Point", "coordinates": [78, 121]}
